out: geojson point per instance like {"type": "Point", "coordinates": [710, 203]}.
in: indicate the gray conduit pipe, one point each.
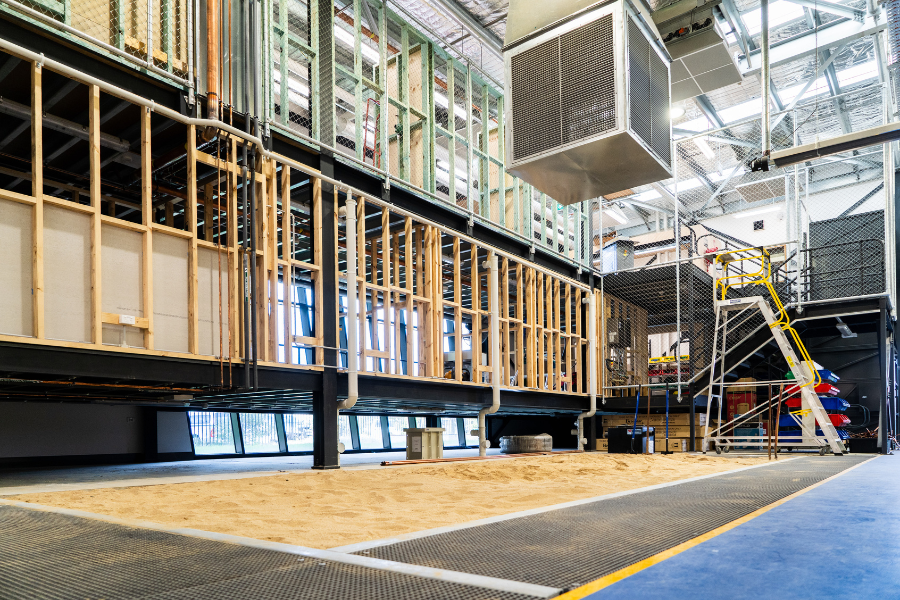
{"type": "Point", "coordinates": [592, 368]}
{"type": "Point", "coordinates": [352, 310]}
{"type": "Point", "coordinates": [496, 368]}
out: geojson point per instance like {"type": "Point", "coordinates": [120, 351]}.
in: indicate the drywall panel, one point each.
{"type": "Point", "coordinates": [172, 432]}
{"type": "Point", "coordinates": [212, 281]}
{"type": "Point", "coordinates": [170, 293]}
{"type": "Point", "coordinates": [16, 274]}
{"type": "Point", "coordinates": [45, 429]}
{"type": "Point", "coordinates": [122, 253]}
{"type": "Point", "coordinates": [67, 274]}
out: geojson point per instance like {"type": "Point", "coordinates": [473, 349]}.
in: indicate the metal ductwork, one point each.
{"type": "Point", "coordinates": [588, 87]}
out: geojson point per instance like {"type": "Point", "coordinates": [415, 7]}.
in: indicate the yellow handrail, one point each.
{"type": "Point", "coordinates": [764, 275]}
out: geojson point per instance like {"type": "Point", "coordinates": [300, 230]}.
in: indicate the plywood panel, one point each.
{"type": "Point", "coordinates": [16, 274]}
{"type": "Point", "coordinates": [67, 274]}
{"type": "Point", "coordinates": [121, 257]}
{"type": "Point", "coordinates": [208, 278]}
{"type": "Point", "coordinates": [170, 292]}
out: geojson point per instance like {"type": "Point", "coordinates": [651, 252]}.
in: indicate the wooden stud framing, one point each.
{"type": "Point", "coordinates": [94, 151]}
{"type": "Point", "coordinates": [147, 220]}
{"type": "Point", "coordinates": [37, 191]}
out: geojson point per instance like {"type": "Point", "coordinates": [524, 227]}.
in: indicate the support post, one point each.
{"type": "Point", "coordinates": [325, 403]}
{"type": "Point", "coordinates": [37, 190]}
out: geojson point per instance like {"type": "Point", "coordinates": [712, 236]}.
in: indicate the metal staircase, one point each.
{"type": "Point", "coordinates": [735, 312]}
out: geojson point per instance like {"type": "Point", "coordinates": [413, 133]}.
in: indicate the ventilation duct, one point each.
{"type": "Point", "coordinates": [701, 61]}
{"type": "Point", "coordinates": [588, 90]}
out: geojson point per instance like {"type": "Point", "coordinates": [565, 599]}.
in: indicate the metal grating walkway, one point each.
{"type": "Point", "coordinates": [570, 547]}
{"type": "Point", "coordinates": [51, 555]}
{"type": "Point", "coordinates": [47, 555]}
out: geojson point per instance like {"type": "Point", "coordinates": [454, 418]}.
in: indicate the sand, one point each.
{"type": "Point", "coordinates": [325, 509]}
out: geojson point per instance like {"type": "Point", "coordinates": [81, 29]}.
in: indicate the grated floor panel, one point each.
{"type": "Point", "coordinates": [48, 555]}
{"type": "Point", "coordinates": [569, 547]}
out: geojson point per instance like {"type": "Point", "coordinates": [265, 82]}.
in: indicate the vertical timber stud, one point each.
{"type": "Point", "coordinates": [147, 221]}
{"type": "Point", "coordinates": [190, 215]}
{"type": "Point", "coordinates": [37, 190]}
{"type": "Point", "coordinates": [94, 128]}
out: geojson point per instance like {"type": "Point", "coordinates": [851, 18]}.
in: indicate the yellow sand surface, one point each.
{"type": "Point", "coordinates": [325, 509]}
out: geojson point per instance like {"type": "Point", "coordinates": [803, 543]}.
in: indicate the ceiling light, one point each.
{"type": "Point", "coordinates": [759, 211]}
{"type": "Point", "coordinates": [676, 112]}
{"type": "Point", "coordinates": [616, 213]}
{"type": "Point", "coordinates": [704, 148]}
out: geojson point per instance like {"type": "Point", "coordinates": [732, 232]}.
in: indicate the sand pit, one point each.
{"type": "Point", "coordinates": [325, 509]}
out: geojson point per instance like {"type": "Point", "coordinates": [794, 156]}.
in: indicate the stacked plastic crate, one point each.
{"type": "Point", "coordinates": [788, 427]}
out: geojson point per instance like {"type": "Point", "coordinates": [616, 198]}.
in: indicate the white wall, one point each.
{"type": "Point", "coordinates": [172, 432]}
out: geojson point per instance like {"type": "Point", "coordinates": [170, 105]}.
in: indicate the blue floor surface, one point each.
{"type": "Point", "coordinates": [839, 540]}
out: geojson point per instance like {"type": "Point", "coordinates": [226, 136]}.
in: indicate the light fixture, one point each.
{"type": "Point", "coordinates": [616, 213]}
{"type": "Point", "coordinates": [759, 211]}
{"type": "Point", "coordinates": [844, 329]}
{"type": "Point", "coordinates": [704, 148]}
{"type": "Point", "coordinates": [676, 112]}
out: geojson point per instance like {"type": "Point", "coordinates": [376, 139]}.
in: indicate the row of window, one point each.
{"type": "Point", "coordinates": [255, 433]}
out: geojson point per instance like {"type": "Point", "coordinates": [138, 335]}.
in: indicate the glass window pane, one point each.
{"type": "Point", "coordinates": [471, 424]}
{"type": "Point", "coordinates": [344, 432]}
{"type": "Point", "coordinates": [211, 432]}
{"type": "Point", "coordinates": [420, 421]}
{"type": "Point", "coordinates": [258, 432]}
{"type": "Point", "coordinates": [370, 433]}
{"type": "Point", "coordinates": [396, 425]}
{"type": "Point", "coordinates": [298, 429]}
{"type": "Point", "coordinates": [451, 436]}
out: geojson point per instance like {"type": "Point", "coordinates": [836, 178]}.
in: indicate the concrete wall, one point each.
{"type": "Point", "coordinates": [34, 429]}
{"type": "Point", "coordinates": [43, 433]}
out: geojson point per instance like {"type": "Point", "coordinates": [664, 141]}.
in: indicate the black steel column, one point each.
{"type": "Point", "coordinates": [884, 410]}
{"type": "Point", "coordinates": [432, 421]}
{"type": "Point", "coordinates": [590, 429]}
{"type": "Point", "coordinates": [325, 414]}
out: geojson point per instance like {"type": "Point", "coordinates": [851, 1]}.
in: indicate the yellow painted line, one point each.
{"type": "Point", "coordinates": [606, 581]}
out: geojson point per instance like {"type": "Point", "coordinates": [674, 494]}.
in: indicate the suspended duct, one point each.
{"type": "Point", "coordinates": [588, 89]}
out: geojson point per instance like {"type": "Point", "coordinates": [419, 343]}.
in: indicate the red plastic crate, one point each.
{"type": "Point", "coordinates": [823, 389]}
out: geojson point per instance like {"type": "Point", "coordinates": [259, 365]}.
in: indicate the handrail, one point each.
{"type": "Point", "coordinates": [764, 276]}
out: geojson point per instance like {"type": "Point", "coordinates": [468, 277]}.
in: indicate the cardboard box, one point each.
{"type": "Point", "coordinates": [679, 444]}
{"type": "Point", "coordinates": [654, 420]}
{"type": "Point", "coordinates": [602, 445]}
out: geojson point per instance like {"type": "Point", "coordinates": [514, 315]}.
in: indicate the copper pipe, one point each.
{"type": "Point", "coordinates": [212, 59]}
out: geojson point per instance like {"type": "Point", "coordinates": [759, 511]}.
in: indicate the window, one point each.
{"type": "Point", "coordinates": [396, 425]}
{"type": "Point", "coordinates": [451, 433]}
{"type": "Point", "coordinates": [370, 433]}
{"type": "Point", "coordinates": [344, 432]}
{"type": "Point", "coordinates": [298, 430]}
{"type": "Point", "coordinates": [471, 425]}
{"type": "Point", "coordinates": [259, 433]}
{"type": "Point", "coordinates": [212, 432]}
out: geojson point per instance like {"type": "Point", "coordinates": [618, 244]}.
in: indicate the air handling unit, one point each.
{"type": "Point", "coordinates": [587, 85]}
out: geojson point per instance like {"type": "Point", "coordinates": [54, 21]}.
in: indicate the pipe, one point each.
{"type": "Point", "coordinates": [592, 368]}
{"type": "Point", "coordinates": [200, 123]}
{"type": "Point", "coordinates": [494, 298]}
{"type": "Point", "coordinates": [352, 310]}
{"type": "Point", "coordinates": [766, 76]}
{"type": "Point", "coordinates": [212, 60]}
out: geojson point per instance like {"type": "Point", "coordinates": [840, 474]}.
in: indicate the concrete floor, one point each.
{"type": "Point", "coordinates": [52, 479]}
{"type": "Point", "coordinates": [838, 540]}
